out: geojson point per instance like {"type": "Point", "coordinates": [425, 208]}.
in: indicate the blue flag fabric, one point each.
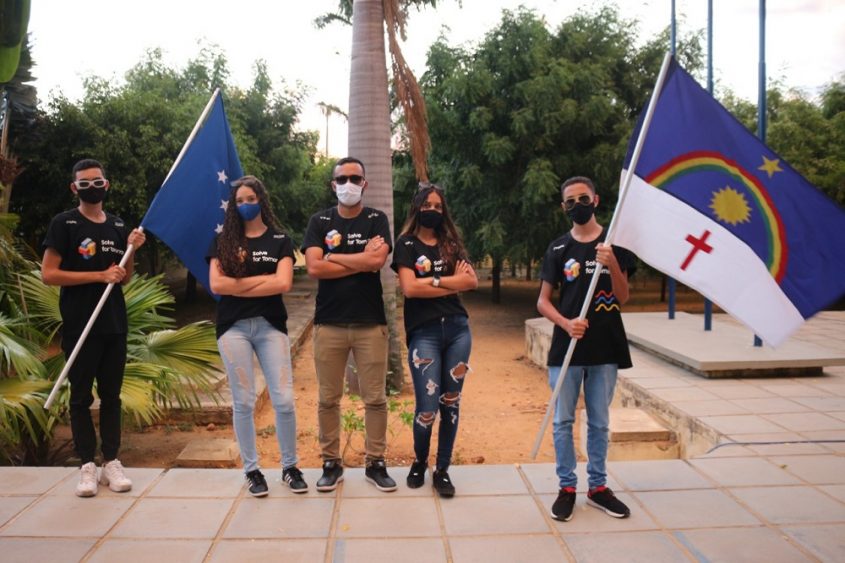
{"type": "Point", "coordinates": [708, 191]}
{"type": "Point", "coordinates": [188, 210]}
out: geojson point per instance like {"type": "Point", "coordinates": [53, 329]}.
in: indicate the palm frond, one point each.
{"type": "Point", "coordinates": [17, 354]}
{"type": "Point", "coordinates": [189, 351]}
{"type": "Point", "coordinates": [40, 303]}
{"type": "Point", "coordinates": [145, 297]}
{"type": "Point", "coordinates": [136, 396]}
{"type": "Point", "coordinates": [21, 411]}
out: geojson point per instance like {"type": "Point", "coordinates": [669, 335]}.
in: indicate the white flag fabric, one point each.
{"type": "Point", "coordinates": [700, 253]}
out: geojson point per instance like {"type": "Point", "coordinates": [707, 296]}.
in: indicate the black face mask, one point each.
{"type": "Point", "coordinates": [92, 195]}
{"type": "Point", "coordinates": [430, 218]}
{"type": "Point", "coordinates": [581, 214]}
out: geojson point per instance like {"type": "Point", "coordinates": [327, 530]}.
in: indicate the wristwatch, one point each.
{"type": "Point", "coordinates": [326, 256]}
{"type": "Point", "coordinates": [436, 281]}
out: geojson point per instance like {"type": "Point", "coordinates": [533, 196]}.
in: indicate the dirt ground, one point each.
{"type": "Point", "coordinates": [503, 403]}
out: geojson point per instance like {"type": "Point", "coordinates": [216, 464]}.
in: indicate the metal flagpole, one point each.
{"type": "Point", "coordinates": [761, 99]}
{"type": "Point", "coordinates": [126, 256]}
{"type": "Point", "coordinates": [623, 192]}
{"type": "Point", "coordinates": [671, 284]}
{"type": "Point", "coordinates": [708, 305]}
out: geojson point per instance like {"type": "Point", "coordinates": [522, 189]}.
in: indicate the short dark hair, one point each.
{"type": "Point", "coordinates": [347, 160]}
{"type": "Point", "coordinates": [577, 180]}
{"type": "Point", "coordinates": [85, 164]}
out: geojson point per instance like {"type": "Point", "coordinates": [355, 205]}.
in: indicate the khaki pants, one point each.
{"type": "Point", "coordinates": [368, 344]}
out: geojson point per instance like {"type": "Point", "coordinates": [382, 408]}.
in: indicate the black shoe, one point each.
{"type": "Point", "coordinates": [257, 483]}
{"type": "Point", "coordinates": [332, 475]}
{"type": "Point", "coordinates": [376, 474]}
{"type": "Point", "coordinates": [603, 498]}
{"type": "Point", "coordinates": [562, 508]}
{"type": "Point", "coordinates": [442, 484]}
{"type": "Point", "coordinates": [416, 477]}
{"type": "Point", "coordinates": [293, 477]}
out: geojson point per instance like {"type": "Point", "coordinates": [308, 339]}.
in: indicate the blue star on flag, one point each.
{"type": "Point", "coordinates": [190, 206]}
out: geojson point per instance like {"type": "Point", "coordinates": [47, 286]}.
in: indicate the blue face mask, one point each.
{"type": "Point", "coordinates": [249, 211]}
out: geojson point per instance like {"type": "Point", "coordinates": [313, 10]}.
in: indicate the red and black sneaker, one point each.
{"type": "Point", "coordinates": [565, 503]}
{"type": "Point", "coordinates": [603, 498]}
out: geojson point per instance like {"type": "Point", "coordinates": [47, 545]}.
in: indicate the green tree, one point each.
{"type": "Point", "coordinates": [527, 108]}
{"type": "Point", "coordinates": [137, 129]}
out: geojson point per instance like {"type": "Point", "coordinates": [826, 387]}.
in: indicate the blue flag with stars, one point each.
{"type": "Point", "coordinates": [188, 210]}
{"type": "Point", "coordinates": [713, 206]}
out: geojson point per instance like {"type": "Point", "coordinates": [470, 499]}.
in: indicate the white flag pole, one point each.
{"type": "Point", "coordinates": [126, 256]}
{"type": "Point", "coordinates": [623, 191]}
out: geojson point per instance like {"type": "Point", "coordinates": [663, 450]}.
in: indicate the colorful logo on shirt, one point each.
{"type": "Point", "coordinates": [605, 301]}
{"type": "Point", "coordinates": [87, 248]}
{"type": "Point", "coordinates": [333, 239]}
{"type": "Point", "coordinates": [423, 265]}
{"type": "Point", "coordinates": [571, 269]}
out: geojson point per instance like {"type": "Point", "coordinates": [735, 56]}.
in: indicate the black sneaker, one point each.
{"type": "Point", "coordinates": [416, 477]}
{"type": "Point", "coordinates": [442, 484]}
{"type": "Point", "coordinates": [257, 483]}
{"type": "Point", "coordinates": [603, 498]}
{"type": "Point", "coordinates": [562, 508]}
{"type": "Point", "coordinates": [332, 475]}
{"type": "Point", "coordinates": [293, 477]}
{"type": "Point", "coordinates": [376, 474]}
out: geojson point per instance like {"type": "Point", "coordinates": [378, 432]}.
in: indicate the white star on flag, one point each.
{"type": "Point", "coordinates": [224, 204]}
{"type": "Point", "coordinates": [218, 229]}
{"type": "Point", "coordinates": [221, 176]}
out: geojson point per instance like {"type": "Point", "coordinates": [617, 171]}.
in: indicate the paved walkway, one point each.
{"type": "Point", "coordinates": [783, 501]}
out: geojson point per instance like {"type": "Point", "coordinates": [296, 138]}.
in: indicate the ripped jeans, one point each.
{"type": "Point", "coordinates": [438, 354]}
{"type": "Point", "coordinates": [272, 347]}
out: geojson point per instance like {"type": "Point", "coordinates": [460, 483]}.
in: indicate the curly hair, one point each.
{"type": "Point", "coordinates": [231, 244]}
{"type": "Point", "coordinates": [449, 241]}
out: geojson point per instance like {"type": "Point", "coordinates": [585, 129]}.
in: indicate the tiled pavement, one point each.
{"type": "Point", "coordinates": [756, 502]}
{"type": "Point", "coordinates": [751, 508]}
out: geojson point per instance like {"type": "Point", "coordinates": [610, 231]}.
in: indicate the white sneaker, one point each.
{"type": "Point", "coordinates": [113, 476]}
{"type": "Point", "coordinates": [87, 486]}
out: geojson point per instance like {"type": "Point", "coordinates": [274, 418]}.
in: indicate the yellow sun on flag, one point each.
{"type": "Point", "coordinates": [730, 206]}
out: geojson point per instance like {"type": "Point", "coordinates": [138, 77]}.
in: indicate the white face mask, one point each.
{"type": "Point", "coordinates": [349, 194]}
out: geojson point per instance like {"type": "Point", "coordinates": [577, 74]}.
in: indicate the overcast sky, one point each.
{"type": "Point", "coordinates": [72, 40]}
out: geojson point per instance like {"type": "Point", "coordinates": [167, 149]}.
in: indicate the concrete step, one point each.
{"type": "Point", "coordinates": [636, 435]}
{"type": "Point", "coordinates": [209, 452]}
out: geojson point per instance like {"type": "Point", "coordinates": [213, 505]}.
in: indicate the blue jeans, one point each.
{"type": "Point", "coordinates": [599, 383]}
{"type": "Point", "coordinates": [273, 350]}
{"type": "Point", "coordinates": [438, 354]}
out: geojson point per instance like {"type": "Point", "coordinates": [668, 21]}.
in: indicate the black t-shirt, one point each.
{"type": "Point", "coordinates": [354, 299]}
{"type": "Point", "coordinates": [265, 252]}
{"type": "Point", "coordinates": [425, 261]}
{"type": "Point", "coordinates": [86, 246]}
{"type": "Point", "coordinates": [570, 264]}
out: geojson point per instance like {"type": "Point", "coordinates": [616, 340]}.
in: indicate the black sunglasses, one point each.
{"type": "Point", "coordinates": [426, 185]}
{"type": "Point", "coordinates": [569, 204]}
{"type": "Point", "coordinates": [85, 184]}
{"type": "Point", "coordinates": [355, 179]}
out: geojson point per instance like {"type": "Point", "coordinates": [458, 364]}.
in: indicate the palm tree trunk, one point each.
{"type": "Point", "coordinates": [369, 140]}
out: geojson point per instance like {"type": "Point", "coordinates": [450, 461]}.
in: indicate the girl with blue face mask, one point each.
{"type": "Point", "coordinates": [251, 266]}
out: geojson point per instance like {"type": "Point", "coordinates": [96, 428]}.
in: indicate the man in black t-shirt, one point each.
{"type": "Point", "coordinates": [82, 252]}
{"type": "Point", "coordinates": [345, 247]}
{"type": "Point", "coordinates": [602, 348]}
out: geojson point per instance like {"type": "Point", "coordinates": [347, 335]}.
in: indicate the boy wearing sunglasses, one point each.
{"type": "Point", "coordinates": [345, 247]}
{"type": "Point", "coordinates": [602, 346]}
{"type": "Point", "coordinates": [82, 250]}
